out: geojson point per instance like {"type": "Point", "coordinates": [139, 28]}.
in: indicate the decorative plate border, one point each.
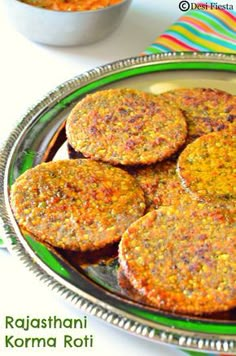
{"type": "Point", "coordinates": [132, 324]}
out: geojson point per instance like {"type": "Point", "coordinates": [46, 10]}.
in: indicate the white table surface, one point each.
{"type": "Point", "coordinates": [27, 72]}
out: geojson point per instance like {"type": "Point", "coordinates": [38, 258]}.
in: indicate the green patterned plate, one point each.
{"type": "Point", "coordinates": [93, 287]}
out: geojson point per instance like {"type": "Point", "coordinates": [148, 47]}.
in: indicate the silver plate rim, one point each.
{"type": "Point", "coordinates": [130, 323]}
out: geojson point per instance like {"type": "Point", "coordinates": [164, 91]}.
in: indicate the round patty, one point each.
{"type": "Point", "coordinates": [125, 126]}
{"type": "Point", "coordinates": [183, 260]}
{"type": "Point", "coordinates": [76, 204]}
{"type": "Point", "coordinates": [207, 167]}
{"type": "Point", "coordinates": [205, 109]}
{"type": "Point", "coordinates": [161, 185]}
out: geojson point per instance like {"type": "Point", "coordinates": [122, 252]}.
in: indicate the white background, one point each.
{"type": "Point", "coordinates": [28, 71]}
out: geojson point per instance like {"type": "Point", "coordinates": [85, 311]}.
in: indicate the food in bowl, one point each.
{"type": "Point", "coordinates": [72, 5]}
{"type": "Point", "coordinates": [48, 22]}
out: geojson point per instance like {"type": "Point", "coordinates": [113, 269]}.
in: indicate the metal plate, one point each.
{"type": "Point", "coordinates": [93, 287]}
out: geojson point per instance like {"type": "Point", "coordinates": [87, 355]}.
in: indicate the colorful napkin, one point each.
{"type": "Point", "coordinates": [206, 29]}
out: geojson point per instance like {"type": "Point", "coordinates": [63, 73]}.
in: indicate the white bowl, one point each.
{"type": "Point", "coordinates": [65, 28]}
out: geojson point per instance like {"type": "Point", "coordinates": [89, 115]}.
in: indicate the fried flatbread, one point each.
{"type": "Point", "coordinates": [125, 126]}
{"type": "Point", "coordinates": [76, 204]}
{"type": "Point", "coordinates": [182, 260]}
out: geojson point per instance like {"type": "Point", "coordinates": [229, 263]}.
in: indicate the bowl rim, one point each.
{"type": "Point", "coordinates": [103, 9]}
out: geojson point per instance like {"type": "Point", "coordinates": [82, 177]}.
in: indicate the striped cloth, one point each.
{"type": "Point", "coordinates": [206, 30]}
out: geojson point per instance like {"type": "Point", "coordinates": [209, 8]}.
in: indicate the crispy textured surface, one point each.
{"type": "Point", "coordinates": [161, 185]}
{"type": "Point", "coordinates": [76, 205]}
{"type": "Point", "coordinates": [183, 260]}
{"type": "Point", "coordinates": [128, 290]}
{"type": "Point", "coordinates": [207, 166]}
{"type": "Point", "coordinates": [205, 109]}
{"type": "Point", "coordinates": [126, 126]}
